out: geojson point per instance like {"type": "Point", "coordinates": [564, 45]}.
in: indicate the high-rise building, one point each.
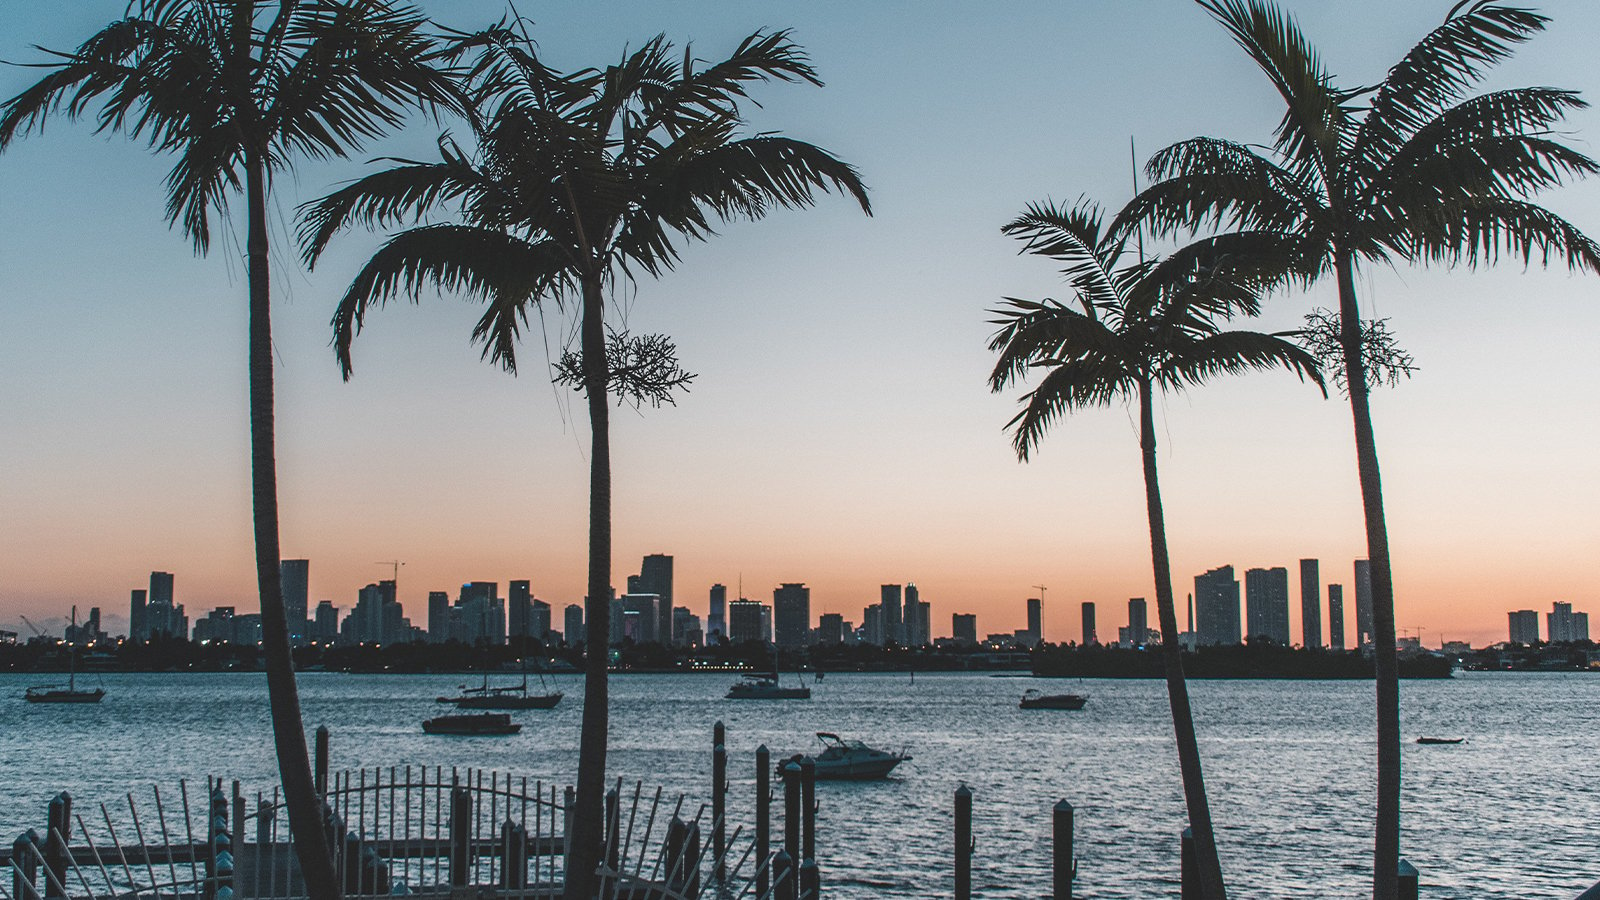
{"type": "Point", "coordinates": [1310, 604]}
{"type": "Point", "coordinates": [641, 613]}
{"type": "Point", "coordinates": [1564, 626]}
{"type": "Point", "coordinates": [1138, 622]}
{"type": "Point", "coordinates": [686, 628]}
{"type": "Point", "coordinates": [325, 628]}
{"type": "Point", "coordinates": [918, 619]}
{"type": "Point", "coordinates": [964, 628]}
{"type": "Point", "coordinates": [162, 616]}
{"type": "Point", "coordinates": [655, 577]}
{"type": "Point", "coordinates": [1524, 626]}
{"type": "Point", "coordinates": [872, 625]}
{"type": "Point", "coordinates": [717, 614]}
{"type": "Point", "coordinates": [1089, 636]}
{"type": "Point", "coordinates": [893, 625]}
{"type": "Point", "coordinates": [539, 615]}
{"type": "Point", "coordinates": [744, 620]}
{"type": "Point", "coordinates": [1216, 606]}
{"type": "Point", "coordinates": [438, 617]}
{"type": "Point", "coordinates": [1266, 594]}
{"type": "Point", "coordinates": [1336, 616]}
{"type": "Point", "coordinates": [1363, 572]}
{"type": "Point", "coordinates": [138, 627]}
{"type": "Point", "coordinates": [519, 610]}
{"type": "Point", "coordinates": [791, 615]}
{"type": "Point", "coordinates": [830, 629]}
{"type": "Point", "coordinates": [295, 577]}
{"type": "Point", "coordinates": [1035, 621]}
{"type": "Point", "coordinates": [572, 622]}
{"type": "Point", "coordinates": [377, 618]}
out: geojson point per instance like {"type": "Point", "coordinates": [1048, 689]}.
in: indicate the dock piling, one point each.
{"type": "Point", "coordinates": [792, 825]}
{"type": "Point", "coordinates": [56, 856]}
{"type": "Point", "coordinates": [964, 843]}
{"type": "Point", "coordinates": [322, 761]}
{"type": "Point", "coordinates": [1410, 880]}
{"type": "Point", "coordinates": [1065, 867]}
{"type": "Point", "coordinates": [719, 798]}
{"type": "Point", "coordinates": [24, 866]}
{"type": "Point", "coordinates": [763, 818]}
{"type": "Point", "coordinates": [513, 856]}
{"type": "Point", "coordinates": [460, 837]}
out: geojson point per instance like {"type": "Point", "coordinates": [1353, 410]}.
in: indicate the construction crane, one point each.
{"type": "Point", "coordinates": [395, 564]}
{"type": "Point", "coordinates": [28, 622]}
{"type": "Point", "coordinates": [1040, 589]}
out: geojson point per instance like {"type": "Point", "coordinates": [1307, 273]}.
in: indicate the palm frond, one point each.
{"type": "Point", "coordinates": [1073, 237]}
{"type": "Point", "coordinates": [1206, 181]}
{"type": "Point", "coordinates": [1479, 231]}
{"type": "Point", "coordinates": [1031, 330]}
{"type": "Point", "coordinates": [1192, 363]}
{"type": "Point", "coordinates": [384, 199]}
{"type": "Point", "coordinates": [510, 274]}
{"type": "Point", "coordinates": [1069, 386]}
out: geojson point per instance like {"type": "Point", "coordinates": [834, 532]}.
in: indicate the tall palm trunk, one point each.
{"type": "Point", "coordinates": [589, 817]}
{"type": "Point", "coordinates": [1386, 840]}
{"type": "Point", "coordinates": [288, 730]}
{"type": "Point", "coordinates": [1194, 783]}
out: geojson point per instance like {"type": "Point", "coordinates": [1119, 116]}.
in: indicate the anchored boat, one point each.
{"type": "Point", "coordinates": [472, 724]}
{"type": "Point", "coordinates": [1033, 699]}
{"type": "Point", "coordinates": [848, 760]}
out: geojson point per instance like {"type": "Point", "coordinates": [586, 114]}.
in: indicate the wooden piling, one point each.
{"type": "Point", "coordinates": [682, 858]}
{"type": "Point", "coordinates": [964, 843]}
{"type": "Point", "coordinates": [513, 856]}
{"type": "Point", "coordinates": [1065, 869]}
{"type": "Point", "coordinates": [322, 761]}
{"type": "Point", "coordinates": [808, 809]}
{"type": "Point", "coordinates": [1189, 868]}
{"type": "Point", "coordinates": [613, 829]}
{"type": "Point", "coordinates": [719, 798]}
{"type": "Point", "coordinates": [1410, 881]}
{"type": "Point", "coordinates": [56, 855]}
{"type": "Point", "coordinates": [783, 879]}
{"type": "Point", "coordinates": [810, 880]}
{"type": "Point", "coordinates": [460, 837]}
{"type": "Point", "coordinates": [763, 818]}
{"type": "Point", "coordinates": [24, 866]}
{"type": "Point", "coordinates": [792, 825]}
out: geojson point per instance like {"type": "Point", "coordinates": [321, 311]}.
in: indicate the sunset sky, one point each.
{"type": "Point", "coordinates": [840, 432]}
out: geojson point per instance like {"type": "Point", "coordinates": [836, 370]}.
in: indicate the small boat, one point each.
{"type": "Point", "coordinates": [511, 696]}
{"type": "Point", "coordinates": [476, 723]}
{"type": "Point", "coordinates": [1439, 740]}
{"type": "Point", "coordinates": [842, 760]}
{"type": "Point", "coordinates": [70, 693]}
{"type": "Point", "coordinates": [766, 688]}
{"type": "Point", "coordinates": [1032, 699]}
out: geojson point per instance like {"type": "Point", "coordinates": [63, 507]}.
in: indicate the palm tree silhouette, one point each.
{"type": "Point", "coordinates": [1139, 327]}
{"type": "Point", "coordinates": [578, 181]}
{"type": "Point", "coordinates": [1417, 168]}
{"type": "Point", "coordinates": [235, 89]}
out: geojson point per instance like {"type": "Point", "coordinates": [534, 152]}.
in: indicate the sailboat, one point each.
{"type": "Point", "coordinates": [511, 696]}
{"type": "Point", "coordinates": [70, 693]}
{"type": "Point", "coordinates": [766, 687]}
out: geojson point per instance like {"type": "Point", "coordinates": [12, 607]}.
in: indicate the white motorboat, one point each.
{"type": "Point", "coordinates": [843, 760]}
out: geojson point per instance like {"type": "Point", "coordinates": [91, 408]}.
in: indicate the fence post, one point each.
{"type": "Point", "coordinates": [56, 855]}
{"type": "Point", "coordinates": [613, 829]}
{"type": "Point", "coordinates": [24, 866]}
{"type": "Point", "coordinates": [322, 761]}
{"type": "Point", "coordinates": [1189, 868]}
{"type": "Point", "coordinates": [1065, 868]}
{"type": "Point", "coordinates": [569, 806]}
{"type": "Point", "coordinates": [763, 819]}
{"type": "Point", "coordinates": [460, 837]}
{"type": "Point", "coordinates": [719, 797]}
{"type": "Point", "coordinates": [964, 843]}
{"type": "Point", "coordinates": [1410, 881]}
{"type": "Point", "coordinates": [219, 842]}
{"type": "Point", "coordinates": [682, 852]}
{"type": "Point", "coordinates": [792, 825]}
{"type": "Point", "coordinates": [513, 856]}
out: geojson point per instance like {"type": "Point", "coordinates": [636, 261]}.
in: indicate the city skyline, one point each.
{"type": "Point", "coordinates": [819, 443]}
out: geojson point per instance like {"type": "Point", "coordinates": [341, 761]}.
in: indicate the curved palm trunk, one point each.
{"type": "Point", "coordinates": [589, 817]}
{"type": "Point", "coordinates": [288, 730]}
{"type": "Point", "coordinates": [1194, 783]}
{"type": "Point", "coordinates": [1386, 839]}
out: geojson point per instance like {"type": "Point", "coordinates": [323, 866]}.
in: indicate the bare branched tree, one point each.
{"type": "Point", "coordinates": [640, 369]}
{"type": "Point", "coordinates": [1384, 361]}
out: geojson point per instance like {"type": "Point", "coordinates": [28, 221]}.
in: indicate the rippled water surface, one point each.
{"type": "Point", "coordinates": [1512, 813]}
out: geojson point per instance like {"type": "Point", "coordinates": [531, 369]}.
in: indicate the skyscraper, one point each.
{"type": "Point", "coordinates": [872, 625]}
{"type": "Point", "coordinates": [918, 620]}
{"type": "Point", "coordinates": [791, 615]}
{"type": "Point", "coordinates": [830, 629]}
{"type": "Point", "coordinates": [964, 628]}
{"type": "Point", "coordinates": [893, 625]}
{"type": "Point", "coordinates": [438, 617]}
{"type": "Point", "coordinates": [1562, 625]}
{"type": "Point", "coordinates": [138, 627]}
{"type": "Point", "coordinates": [163, 617]}
{"type": "Point", "coordinates": [1035, 620]}
{"type": "Point", "coordinates": [295, 576]}
{"type": "Point", "coordinates": [1089, 636]}
{"type": "Point", "coordinates": [1524, 626]}
{"type": "Point", "coordinates": [1138, 621]}
{"type": "Point", "coordinates": [1336, 616]}
{"type": "Point", "coordinates": [655, 577]}
{"type": "Point", "coordinates": [326, 627]}
{"type": "Point", "coordinates": [539, 615]}
{"type": "Point", "coordinates": [1363, 602]}
{"type": "Point", "coordinates": [1310, 604]}
{"type": "Point", "coordinates": [744, 620]}
{"type": "Point", "coordinates": [572, 622]}
{"type": "Point", "coordinates": [717, 614]}
{"type": "Point", "coordinates": [1216, 606]}
{"type": "Point", "coordinates": [1266, 593]}
{"type": "Point", "coordinates": [519, 610]}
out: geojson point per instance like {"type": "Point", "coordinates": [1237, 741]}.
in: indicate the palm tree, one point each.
{"type": "Point", "coordinates": [235, 89]}
{"type": "Point", "coordinates": [1138, 328]}
{"type": "Point", "coordinates": [1418, 168]}
{"type": "Point", "coordinates": [579, 181]}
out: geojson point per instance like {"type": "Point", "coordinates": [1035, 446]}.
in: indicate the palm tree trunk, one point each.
{"type": "Point", "coordinates": [1194, 783]}
{"type": "Point", "coordinates": [288, 729]}
{"type": "Point", "coordinates": [589, 817]}
{"type": "Point", "coordinates": [1386, 840]}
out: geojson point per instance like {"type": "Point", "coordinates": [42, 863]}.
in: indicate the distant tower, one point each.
{"type": "Point", "coordinates": [1035, 619]}
{"type": "Point", "coordinates": [1089, 637]}
{"type": "Point", "coordinates": [717, 614]}
{"type": "Point", "coordinates": [791, 615]}
{"type": "Point", "coordinates": [1524, 626]}
{"type": "Point", "coordinates": [1363, 602]}
{"type": "Point", "coordinates": [519, 611]}
{"type": "Point", "coordinates": [1310, 604]}
{"type": "Point", "coordinates": [438, 617]}
{"type": "Point", "coordinates": [893, 626]}
{"type": "Point", "coordinates": [295, 576]}
{"type": "Point", "coordinates": [655, 577]}
{"type": "Point", "coordinates": [138, 627]}
{"type": "Point", "coordinates": [572, 622]}
{"type": "Point", "coordinates": [1266, 594]}
{"type": "Point", "coordinates": [1216, 606]}
{"type": "Point", "coordinates": [1138, 622]}
{"type": "Point", "coordinates": [964, 628]}
{"type": "Point", "coordinates": [1336, 616]}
